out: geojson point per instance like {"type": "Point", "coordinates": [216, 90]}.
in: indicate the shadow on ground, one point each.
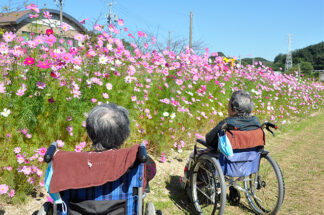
{"type": "Point", "coordinates": [178, 195]}
{"type": "Point", "coordinates": [2, 212]}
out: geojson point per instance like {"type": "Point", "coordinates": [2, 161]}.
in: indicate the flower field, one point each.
{"type": "Point", "coordinates": [47, 86]}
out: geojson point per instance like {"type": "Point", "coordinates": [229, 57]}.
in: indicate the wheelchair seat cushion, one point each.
{"type": "Point", "coordinates": [75, 170]}
{"type": "Point", "coordinates": [246, 139]}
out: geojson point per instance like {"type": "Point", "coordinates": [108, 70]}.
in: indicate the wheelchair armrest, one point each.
{"type": "Point", "coordinates": [50, 152]}
{"type": "Point", "coordinates": [142, 154]}
{"type": "Point", "coordinates": [202, 142]}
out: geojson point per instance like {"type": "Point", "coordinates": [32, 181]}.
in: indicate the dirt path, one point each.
{"type": "Point", "coordinates": [299, 151]}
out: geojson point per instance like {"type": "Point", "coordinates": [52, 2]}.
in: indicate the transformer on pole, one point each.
{"type": "Point", "coordinates": [289, 62]}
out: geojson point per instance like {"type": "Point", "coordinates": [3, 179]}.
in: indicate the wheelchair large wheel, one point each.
{"type": "Point", "coordinates": [208, 187]}
{"type": "Point", "coordinates": [46, 209]}
{"type": "Point", "coordinates": [266, 187]}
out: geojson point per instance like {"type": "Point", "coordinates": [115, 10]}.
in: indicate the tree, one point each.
{"type": "Point", "coordinates": [306, 68]}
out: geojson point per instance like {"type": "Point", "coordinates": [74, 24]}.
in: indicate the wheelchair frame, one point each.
{"type": "Point", "coordinates": [251, 183]}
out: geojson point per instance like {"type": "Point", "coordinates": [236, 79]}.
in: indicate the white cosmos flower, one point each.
{"type": "Point", "coordinates": [5, 112]}
{"type": "Point", "coordinates": [173, 115]}
{"type": "Point", "coordinates": [103, 59]}
{"type": "Point", "coordinates": [109, 86]}
{"type": "Point", "coordinates": [165, 114]}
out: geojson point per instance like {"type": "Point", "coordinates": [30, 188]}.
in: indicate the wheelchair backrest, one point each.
{"type": "Point", "coordinates": [246, 139]}
{"type": "Point", "coordinates": [109, 182]}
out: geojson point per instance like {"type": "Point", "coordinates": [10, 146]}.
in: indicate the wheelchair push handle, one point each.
{"type": "Point", "coordinates": [269, 125]}
{"type": "Point", "coordinates": [50, 152]}
{"type": "Point", "coordinates": [142, 154]}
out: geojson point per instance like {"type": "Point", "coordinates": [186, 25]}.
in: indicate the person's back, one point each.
{"type": "Point", "coordinates": [240, 107]}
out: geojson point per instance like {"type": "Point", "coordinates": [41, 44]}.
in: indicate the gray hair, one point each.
{"type": "Point", "coordinates": [241, 103]}
{"type": "Point", "coordinates": [108, 126]}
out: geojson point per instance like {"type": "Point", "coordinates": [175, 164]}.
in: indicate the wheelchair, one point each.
{"type": "Point", "coordinates": [251, 170]}
{"type": "Point", "coordinates": [123, 195]}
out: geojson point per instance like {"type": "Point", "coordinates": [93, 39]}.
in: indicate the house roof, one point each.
{"type": "Point", "coordinates": [16, 17]}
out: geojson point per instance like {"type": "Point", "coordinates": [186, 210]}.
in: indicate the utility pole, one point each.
{"type": "Point", "coordinates": [289, 63]}
{"type": "Point", "coordinates": [60, 3]}
{"type": "Point", "coordinates": [169, 40]}
{"type": "Point", "coordinates": [110, 16]}
{"type": "Point", "coordinates": [190, 30]}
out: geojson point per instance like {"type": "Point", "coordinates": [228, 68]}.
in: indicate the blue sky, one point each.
{"type": "Point", "coordinates": [238, 28]}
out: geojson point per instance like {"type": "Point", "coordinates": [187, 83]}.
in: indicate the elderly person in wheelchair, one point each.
{"type": "Point", "coordinates": [106, 180]}
{"type": "Point", "coordinates": [242, 166]}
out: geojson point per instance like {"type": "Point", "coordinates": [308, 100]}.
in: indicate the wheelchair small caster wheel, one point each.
{"type": "Point", "coordinates": [234, 196]}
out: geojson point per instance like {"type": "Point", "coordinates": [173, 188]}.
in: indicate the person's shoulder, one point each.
{"type": "Point", "coordinates": [254, 119]}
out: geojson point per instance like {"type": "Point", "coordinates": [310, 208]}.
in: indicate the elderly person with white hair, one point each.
{"type": "Point", "coordinates": [240, 107]}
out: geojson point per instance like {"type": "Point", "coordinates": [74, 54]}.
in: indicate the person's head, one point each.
{"type": "Point", "coordinates": [108, 126]}
{"type": "Point", "coordinates": [240, 104]}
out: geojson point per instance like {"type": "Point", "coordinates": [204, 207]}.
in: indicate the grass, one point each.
{"type": "Point", "coordinates": [297, 148]}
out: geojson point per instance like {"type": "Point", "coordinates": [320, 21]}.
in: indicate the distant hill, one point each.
{"type": "Point", "coordinates": [313, 55]}
{"type": "Point", "coordinates": [265, 62]}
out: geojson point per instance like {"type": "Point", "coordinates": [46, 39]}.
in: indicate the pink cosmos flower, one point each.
{"type": "Point", "coordinates": [97, 27]}
{"type": "Point", "coordinates": [179, 82]}
{"type": "Point", "coordinates": [32, 16]}
{"type": "Point", "coordinates": [28, 136]}
{"type": "Point", "coordinates": [50, 40]}
{"type": "Point", "coordinates": [145, 142]}
{"type": "Point", "coordinates": [47, 14]}
{"type": "Point", "coordinates": [78, 148]}
{"type": "Point", "coordinates": [20, 158]}
{"type": "Point", "coordinates": [3, 188]}
{"type": "Point", "coordinates": [29, 61]}
{"type": "Point", "coordinates": [2, 87]}
{"type": "Point", "coordinates": [11, 193]}
{"type": "Point", "coordinates": [163, 159]}
{"type": "Point", "coordinates": [140, 33]}
{"type": "Point", "coordinates": [105, 95]}
{"type": "Point", "coordinates": [79, 37]}
{"type": "Point", "coordinates": [111, 28]}
{"type": "Point", "coordinates": [60, 143]}
{"type": "Point", "coordinates": [33, 7]}
{"type": "Point", "coordinates": [21, 91]}
{"type": "Point", "coordinates": [82, 144]}
{"type": "Point", "coordinates": [9, 36]}
{"type": "Point", "coordinates": [120, 22]}
{"type": "Point", "coordinates": [43, 65]}
{"type": "Point", "coordinates": [93, 100]}
{"type": "Point", "coordinates": [41, 151]}
{"type": "Point", "coordinates": [83, 21]}
{"type": "Point", "coordinates": [133, 98]}
{"type": "Point", "coordinates": [69, 42]}
{"type": "Point", "coordinates": [65, 27]}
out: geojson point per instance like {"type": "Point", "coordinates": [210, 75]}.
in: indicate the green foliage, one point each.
{"type": "Point", "coordinates": [313, 54]}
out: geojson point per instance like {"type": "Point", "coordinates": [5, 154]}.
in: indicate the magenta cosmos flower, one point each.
{"type": "Point", "coordinates": [43, 65]}
{"type": "Point", "coordinates": [29, 61]}
{"type": "Point", "coordinates": [49, 32]}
